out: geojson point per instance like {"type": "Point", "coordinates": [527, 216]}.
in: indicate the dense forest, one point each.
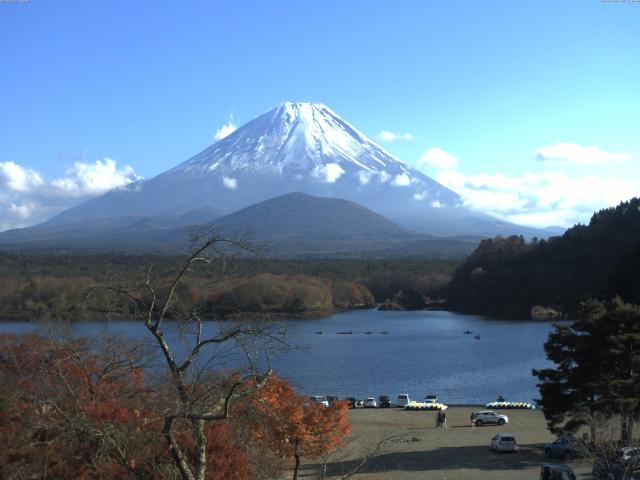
{"type": "Point", "coordinates": [510, 275]}
{"type": "Point", "coordinates": [61, 286]}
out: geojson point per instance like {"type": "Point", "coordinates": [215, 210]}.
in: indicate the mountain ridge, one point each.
{"type": "Point", "coordinates": [291, 226]}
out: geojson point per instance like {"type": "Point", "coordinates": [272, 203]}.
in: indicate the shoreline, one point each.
{"type": "Point", "coordinates": [498, 314]}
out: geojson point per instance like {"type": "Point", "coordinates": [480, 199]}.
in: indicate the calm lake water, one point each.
{"type": "Point", "coordinates": [424, 352]}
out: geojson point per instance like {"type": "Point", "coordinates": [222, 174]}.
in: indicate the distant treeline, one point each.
{"type": "Point", "coordinates": [62, 286]}
{"type": "Point", "coordinates": [599, 260]}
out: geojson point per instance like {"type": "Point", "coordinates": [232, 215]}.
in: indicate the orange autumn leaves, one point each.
{"type": "Point", "coordinates": [292, 420]}
{"type": "Point", "coordinates": [73, 412]}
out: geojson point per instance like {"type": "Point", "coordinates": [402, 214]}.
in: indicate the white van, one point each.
{"type": "Point", "coordinates": [403, 399]}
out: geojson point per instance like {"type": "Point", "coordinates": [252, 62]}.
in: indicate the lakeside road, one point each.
{"type": "Point", "coordinates": [454, 453]}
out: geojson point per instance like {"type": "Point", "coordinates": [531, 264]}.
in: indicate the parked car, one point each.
{"type": "Point", "coordinates": [557, 472]}
{"type": "Point", "coordinates": [370, 403]}
{"type": "Point", "coordinates": [384, 401]}
{"type": "Point", "coordinates": [352, 402]}
{"type": "Point", "coordinates": [624, 464]}
{"type": "Point", "coordinates": [403, 399]}
{"type": "Point", "coordinates": [431, 399]}
{"type": "Point", "coordinates": [504, 442]}
{"type": "Point", "coordinates": [565, 447]}
{"type": "Point", "coordinates": [332, 399]}
{"type": "Point", "coordinates": [359, 403]}
{"type": "Point", "coordinates": [321, 399]}
{"type": "Point", "coordinates": [485, 417]}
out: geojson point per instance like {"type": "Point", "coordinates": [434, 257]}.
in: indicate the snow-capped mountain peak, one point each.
{"type": "Point", "coordinates": [295, 147]}
{"type": "Point", "coordinates": [302, 139]}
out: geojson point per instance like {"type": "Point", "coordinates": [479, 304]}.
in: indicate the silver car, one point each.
{"type": "Point", "coordinates": [504, 442]}
{"type": "Point", "coordinates": [487, 417]}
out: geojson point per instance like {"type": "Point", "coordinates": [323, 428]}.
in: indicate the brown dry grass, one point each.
{"type": "Point", "coordinates": [455, 453]}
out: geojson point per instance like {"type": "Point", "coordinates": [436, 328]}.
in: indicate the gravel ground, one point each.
{"type": "Point", "coordinates": [454, 453]}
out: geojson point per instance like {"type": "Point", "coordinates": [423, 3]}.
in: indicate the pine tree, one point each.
{"type": "Point", "coordinates": [597, 369]}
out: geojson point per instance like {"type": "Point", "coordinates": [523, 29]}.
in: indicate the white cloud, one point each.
{"type": "Point", "coordinates": [18, 178]}
{"type": "Point", "coordinates": [87, 179]}
{"type": "Point", "coordinates": [21, 211]}
{"type": "Point", "coordinates": [550, 198]}
{"type": "Point", "coordinates": [364, 177]}
{"type": "Point", "coordinates": [230, 183]}
{"type": "Point", "coordinates": [577, 154]}
{"type": "Point", "coordinates": [226, 129]}
{"type": "Point", "coordinates": [420, 195]}
{"type": "Point", "coordinates": [388, 136]}
{"type": "Point", "coordinates": [329, 172]}
{"type": "Point", "coordinates": [401, 180]}
{"type": "Point", "coordinates": [27, 198]}
{"type": "Point", "coordinates": [438, 158]}
{"type": "Point", "coordinates": [384, 177]}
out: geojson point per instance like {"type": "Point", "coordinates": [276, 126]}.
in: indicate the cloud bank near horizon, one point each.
{"type": "Point", "coordinates": [27, 198]}
{"type": "Point", "coordinates": [549, 198]}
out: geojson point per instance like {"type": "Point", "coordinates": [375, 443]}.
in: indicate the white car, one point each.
{"type": "Point", "coordinates": [486, 417]}
{"type": "Point", "coordinates": [321, 399]}
{"type": "Point", "coordinates": [504, 442]}
{"type": "Point", "coordinates": [403, 400]}
{"type": "Point", "coordinates": [431, 399]}
{"type": "Point", "coordinates": [370, 403]}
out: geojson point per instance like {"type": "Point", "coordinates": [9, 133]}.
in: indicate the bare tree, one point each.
{"type": "Point", "coordinates": [613, 459]}
{"type": "Point", "coordinates": [200, 395]}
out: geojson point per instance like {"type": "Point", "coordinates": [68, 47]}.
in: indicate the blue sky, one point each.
{"type": "Point", "coordinates": [530, 110]}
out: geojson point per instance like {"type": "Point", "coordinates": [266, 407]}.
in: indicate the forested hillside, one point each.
{"type": "Point", "coordinates": [56, 286]}
{"type": "Point", "coordinates": [598, 260]}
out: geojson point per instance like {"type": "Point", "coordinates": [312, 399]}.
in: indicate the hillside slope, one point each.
{"type": "Point", "coordinates": [598, 260]}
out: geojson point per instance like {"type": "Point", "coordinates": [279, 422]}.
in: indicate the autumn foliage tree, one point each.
{"type": "Point", "coordinates": [292, 425]}
{"type": "Point", "coordinates": [67, 411]}
{"type": "Point", "coordinates": [70, 413]}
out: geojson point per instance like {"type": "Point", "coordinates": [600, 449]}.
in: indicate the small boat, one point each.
{"type": "Point", "coordinates": [467, 332]}
{"type": "Point", "coordinates": [345, 333]}
{"type": "Point", "coordinates": [386, 332]}
{"type": "Point", "coordinates": [477, 337]}
{"type": "Point", "coordinates": [318, 333]}
{"type": "Point", "coordinates": [368, 332]}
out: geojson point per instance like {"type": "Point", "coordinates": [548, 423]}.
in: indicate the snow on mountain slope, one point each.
{"type": "Point", "coordinates": [298, 139]}
{"type": "Point", "coordinates": [302, 147]}
{"type": "Point", "coordinates": [309, 143]}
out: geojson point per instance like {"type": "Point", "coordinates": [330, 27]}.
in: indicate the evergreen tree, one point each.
{"type": "Point", "coordinates": [597, 369]}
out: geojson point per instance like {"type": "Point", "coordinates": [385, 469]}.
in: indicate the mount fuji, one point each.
{"type": "Point", "coordinates": [296, 147]}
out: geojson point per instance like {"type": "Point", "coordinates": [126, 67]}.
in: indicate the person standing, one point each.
{"type": "Point", "coordinates": [444, 420]}
{"type": "Point", "coordinates": [473, 421]}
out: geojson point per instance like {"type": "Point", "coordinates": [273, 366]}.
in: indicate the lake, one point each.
{"type": "Point", "coordinates": [424, 352]}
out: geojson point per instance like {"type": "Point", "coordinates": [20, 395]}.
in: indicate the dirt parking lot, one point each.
{"type": "Point", "coordinates": [454, 453]}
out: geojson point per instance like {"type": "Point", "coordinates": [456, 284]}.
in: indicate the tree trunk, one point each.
{"type": "Point", "coordinates": [626, 427]}
{"type": "Point", "coordinates": [296, 456]}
